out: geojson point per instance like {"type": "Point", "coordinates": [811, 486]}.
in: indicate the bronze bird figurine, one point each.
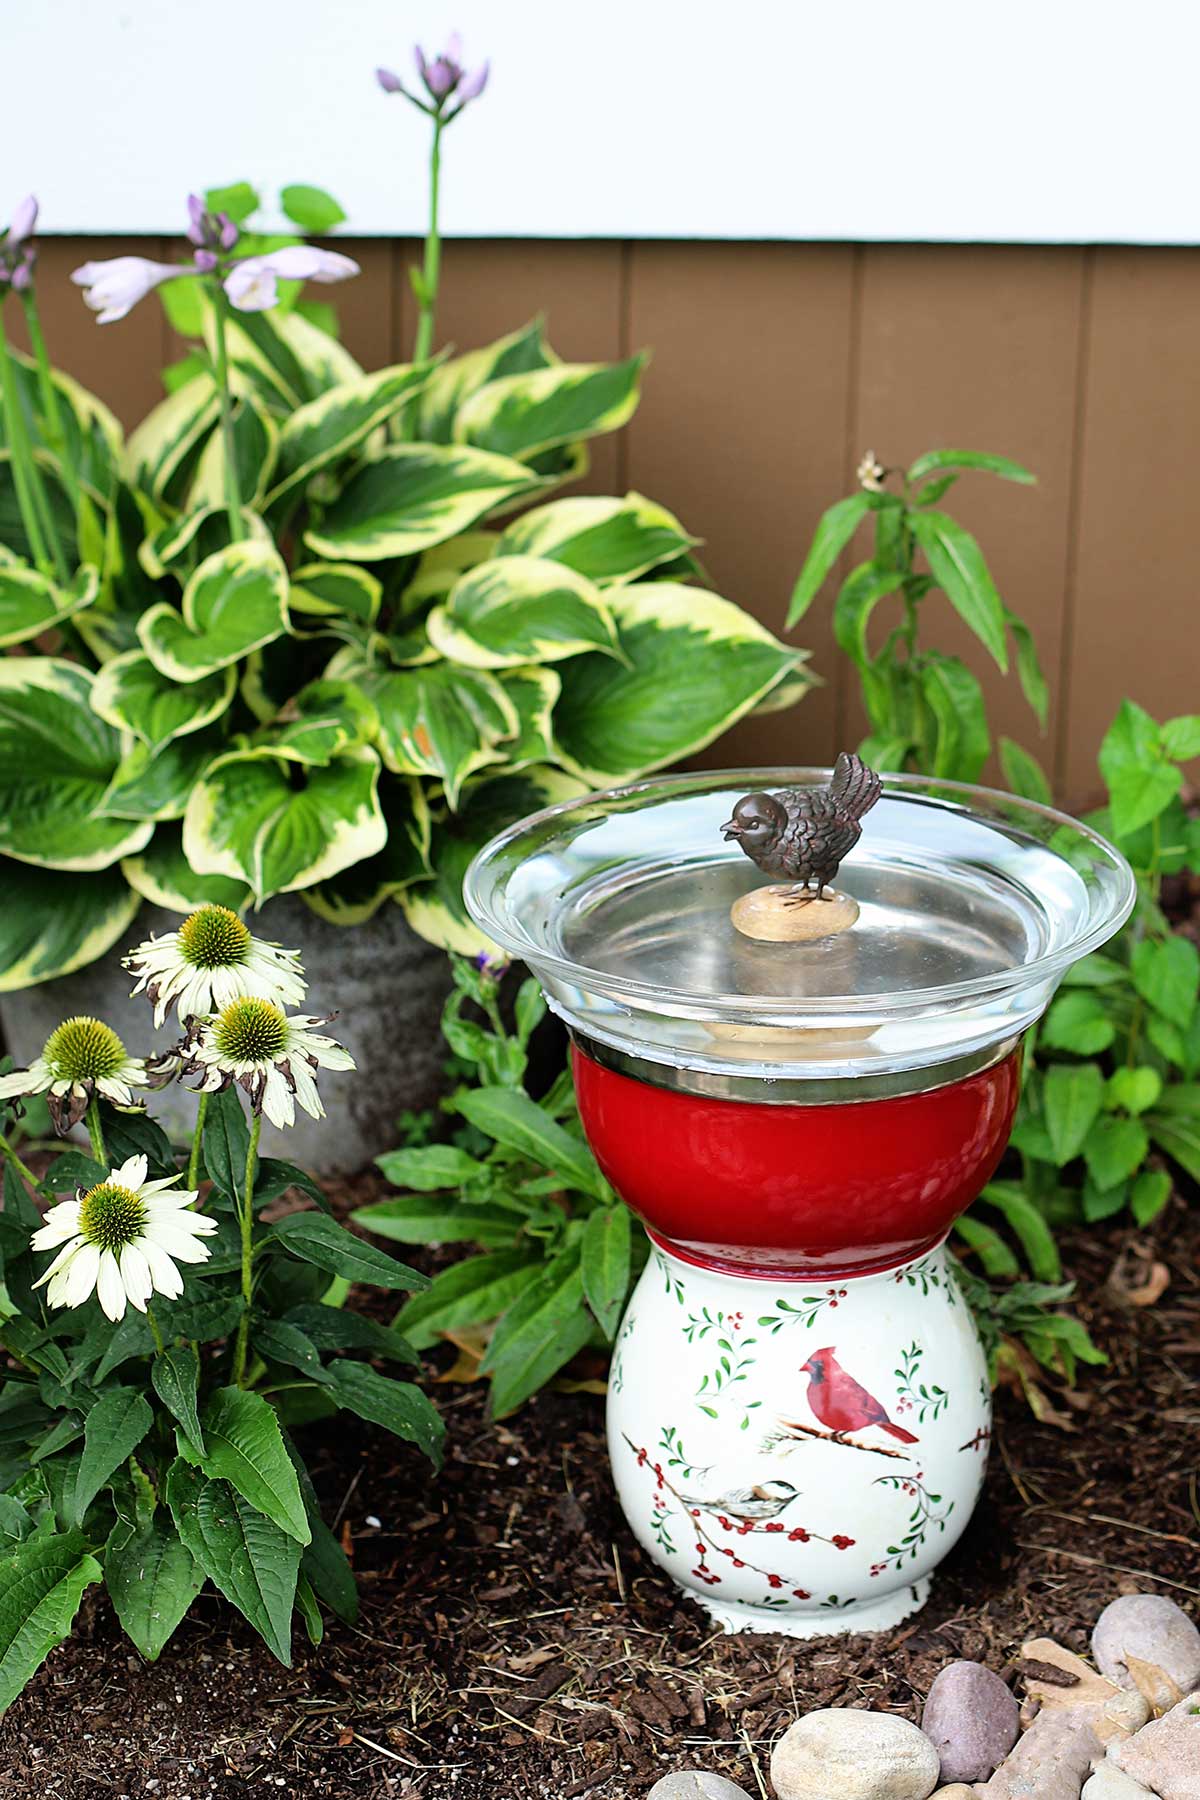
{"type": "Point", "coordinates": [803, 833]}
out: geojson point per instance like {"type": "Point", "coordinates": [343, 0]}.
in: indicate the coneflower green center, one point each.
{"type": "Point", "coordinates": [213, 937]}
{"type": "Point", "coordinates": [84, 1049]}
{"type": "Point", "coordinates": [250, 1031]}
{"type": "Point", "coordinates": [111, 1216]}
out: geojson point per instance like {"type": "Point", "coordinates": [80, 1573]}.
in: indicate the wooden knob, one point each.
{"type": "Point", "coordinates": [780, 915]}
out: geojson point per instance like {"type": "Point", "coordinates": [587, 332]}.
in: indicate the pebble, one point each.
{"type": "Point", "coordinates": [855, 1756]}
{"type": "Point", "coordinates": [1152, 1629]}
{"type": "Point", "coordinates": [1051, 1761]}
{"type": "Point", "coordinates": [1111, 1783]}
{"type": "Point", "coordinates": [1165, 1755]}
{"type": "Point", "coordinates": [971, 1719]}
{"type": "Point", "coordinates": [696, 1784]}
{"type": "Point", "coordinates": [767, 913]}
{"type": "Point", "coordinates": [958, 1790]}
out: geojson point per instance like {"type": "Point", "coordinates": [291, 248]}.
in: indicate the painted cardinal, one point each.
{"type": "Point", "coordinates": [843, 1403]}
{"type": "Point", "coordinates": [804, 833]}
{"type": "Point", "coordinates": [764, 1501]}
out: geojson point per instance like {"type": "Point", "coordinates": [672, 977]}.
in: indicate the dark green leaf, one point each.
{"type": "Point", "coordinates": [398, 1406]}
{"type": "Point", "coordinates": [540, 1332]}
{"type": "Point", "coordinates": [605, 1264]}
{"type": "Point", "coordinates": [274, 1178]}
{"type": "Point", "coordinates": [427, 1170]}
{"type": "Point", "coordinates": [959, 568]}
{"type": "Point", "coordinates": [1166, 973]}
{"type": "Point", "coordinates": [74, 1170]}
{"type": "Point", "coordinates": [310, 1612]}
{"type": "Point", "coordinates": [438, 1219]}
{"type": "Point", "coordinates": [934, 460]}
{"type": "Point", "coordinates": [1029, 669]}
{"type": "Point", "coordinates": [860, 593]}
{"type": "Point", "coordinates": [1078, 1022]}
{"type": "Point", "coordinates": [1072, 1095]}
{"type": "Point", "coordinates": [1149, 1194]}
{"type": "Point", "coordinates": [244, 1446]}
{"type": "Point", "coordinates": [473, 1292]}
{"type": "Point", "coordinates": [1114, 1150]}
{"type": "Point", "coordinates": [512, 1118]}
{"type": "Point", "coordinates": [321, 1241]}
{"type": "Point", "coordinates": [834, 531]}
{"type": "Point", "coordinates": [249, 1559]}
{"type": "Point", "coordinates": [175, 1375]}
{"type": "Point", "coordinates": [41, 1584]}
{"type": "Point", "coordinates": [324, 1562]}
{"type": "Point", "coordinates": [278, 1341]}
{"type": "Point", "coordinates": [1023, 773]}
{"type": "Point", "coordinates": [114, 1428]}
{"type": "Point", "coordinates": [333, 1328]}
{"type": "Point", "coordinates": [1036, 1238]}
{"type": "Point", "coordinates": [226, 1142]}
{"type": "Point", "coordinates": [152, 1579]}
{"type": "Point", "coordinates": [955, 699]}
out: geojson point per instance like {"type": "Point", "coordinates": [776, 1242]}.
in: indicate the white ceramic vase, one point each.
{"type": "Point", "coordinates": [799, 1456]}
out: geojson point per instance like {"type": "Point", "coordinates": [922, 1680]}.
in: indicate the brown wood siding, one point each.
{"type": "Point", "coordinates": [776, 365]}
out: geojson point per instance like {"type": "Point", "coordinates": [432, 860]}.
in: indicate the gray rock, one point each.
{"type": "Point", "coordinates": [855, 1756]}
{"type": "Point", "coordinates": [1153, 1629]}
{"type": "Point", "coordinates": [971, 1719]}
{"type": "Point", "coordinates": [1051, 1761]}
{"type": "Point", "coordinates": [1165, 1755]}
{"type": "Point", "coordinates": [696, 1784]}
{"type": "Point", "coordinates": [1111, 1783]}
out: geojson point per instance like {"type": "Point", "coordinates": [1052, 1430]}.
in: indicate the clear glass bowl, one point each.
{"type": "Point", "coordinates": [972, 905]}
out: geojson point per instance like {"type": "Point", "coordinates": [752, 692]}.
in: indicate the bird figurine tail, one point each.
{"type": "Point", "coordinates": [854, 787]}
{"type": "Point", "coordinates": [898, 1431]}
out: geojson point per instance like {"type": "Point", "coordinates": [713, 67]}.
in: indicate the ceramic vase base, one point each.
{"type": "Point", "coordinates": [799, 1453]}
{"type": "Point", "coordinates": [878, 1615]}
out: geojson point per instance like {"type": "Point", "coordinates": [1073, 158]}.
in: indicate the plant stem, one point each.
{"type": "Point", "coordinates": [155, 1328]}
{"type": "Point", "coordinates": [31, 499]}
{"type": "Point", "coordinates": [427, 299]}
{"type": "Point", "coordinates": [193, 1168]}
{"type": "Point", "coordinates": [55, 429]}
{"type": "Point", "coordinates": [96, 1132]}
{"type": "Point", "coordinates": [247, 1220]}
{"type": "Point", "coordinates": [22, 1169]}
{"type": "Point", "coordinates": [233, 496]}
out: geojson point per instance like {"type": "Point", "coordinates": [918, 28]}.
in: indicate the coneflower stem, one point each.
{"type": "Point", "coordinates": [155, 1329]}
{"type": "Point", "coordinates": [96, 1132]}
{"type": "Point", "coordinates": [21, 1168]}
{"type": "Point", "coordinates": [193, 1168]}
{"type": "Point", "coordinates": [247, 1220]}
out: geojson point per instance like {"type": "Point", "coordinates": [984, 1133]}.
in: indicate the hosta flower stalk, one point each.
{"type": "Point", "coordinates": [122, 1240]}
{"type": "Point", "coordinates": [211, 959]}
{"type": "Point", "coordinates": [271, 1056]}
{"type": "Point", "coordinates": [82, 1058]}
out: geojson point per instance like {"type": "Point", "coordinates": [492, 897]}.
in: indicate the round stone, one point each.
{"type": "Point", "coordinates": [778, 915]}
{"type": "Point", "coordinates": [957, 1790]}
{"type": "Point", "coordinates": [972, 1720]}
{"type": "Point", "coordinates": [855, 1756]}
{"type": "Point", "coordinates": [1111, 1783]}
{"type": "Point", "coordinates": [696, 1784]}
{"type": "Point", "coordinates": [1152, 1629]}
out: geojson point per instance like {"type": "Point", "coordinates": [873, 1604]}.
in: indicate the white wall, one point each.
{"type": "Point", "coordinates": [1027, 120]}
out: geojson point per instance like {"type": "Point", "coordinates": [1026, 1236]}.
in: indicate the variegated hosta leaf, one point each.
{"type": "Point", "coordinates": [441, 720]}
{"type": "Point", "coordinates": [133, 694]}
{"type": "Point", "coordinates": [12, 528]}
{"type": "Point", "coordinates": [534, 692]}
{"type": "Point", "coordinates": [412, 496]}
{"type": "Point", "coordinates": [324, 718]}
{"type": "Point", "coordinates": [435, 909]}
{"type": "Point", "coordinates": [696, 663]}
{"type": "Point", "coordinates": [286, 360]}
{"type": "Point", "coordinates": [359, 891]}
{"type": "Point", "coordinates": [604, 538]}
{"type": "Point", "coordinates": [440, 568]}
{"type": "Point", "coordinates": [330, 427]}
{"type": "Point", "coordinates": [279, 826]}
{"type": "Point", "coordinates": [180, 544]}
{"type": "Point", "coordinates": [52, 923]}
{"type": "Point", "coordinates": [255, 448]}
{"type": "Point", "coordinates": [155, 784]}
{"type": "Point", "coordinates": [93, 437]}
{"type": "Point", "coordinates": [29, 604]}
{"type": "Point", "coordinates": [162, 874]}
{"type": "Point", "coordinates": [325, 596]}
{"type": "Point", "coordinates": [234, 603]}
{"type": "Point", "coordinates": [521, 609]}
{"type": "Point", "coordinates": [57, 758]}
{"type": "Point", "coordinates": [522, 415]}
{"type": "Point", "coordinates": [165, 445]}
{"type": "Point", "coordinates": [455, 381]}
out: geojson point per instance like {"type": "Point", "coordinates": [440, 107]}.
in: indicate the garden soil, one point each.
{"type": "Point", "coordinates": [515, 1643]}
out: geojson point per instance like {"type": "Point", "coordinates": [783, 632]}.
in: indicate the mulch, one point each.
{"type": "Point", "coordinates": [515, 1643]}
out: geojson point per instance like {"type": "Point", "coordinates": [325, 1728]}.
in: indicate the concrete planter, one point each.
{"type": "Point", "coordinates": [386, 984]}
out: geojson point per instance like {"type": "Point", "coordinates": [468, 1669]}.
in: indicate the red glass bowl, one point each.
{"type": "Point", "coordinates": [834, 1189]}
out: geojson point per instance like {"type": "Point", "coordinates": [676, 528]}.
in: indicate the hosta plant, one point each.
{"type": "Point", "coordinates": [925, 708]}
{"type": "Point", "coordinates": [167, 1325]}
{"type": "Point", "coordinates": [333, 632]}
{"type": "Point", "coordinates": [558, 1249]}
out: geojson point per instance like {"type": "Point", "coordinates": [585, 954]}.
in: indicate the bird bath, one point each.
{"type": "Point", "coordinates": [799, 1411]}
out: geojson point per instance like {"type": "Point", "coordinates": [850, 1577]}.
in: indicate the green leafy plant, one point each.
{"type": "Point", "coordinates": [1111, 1100]}
{"type": "Point", "coordinates": [157, 1364]}
{"type": "Point", "coordinates": [302, 637]}
{"type": "Point", "coordinates": [558, 1250]}
{"type": "Point", "coordinates": [926, 709]}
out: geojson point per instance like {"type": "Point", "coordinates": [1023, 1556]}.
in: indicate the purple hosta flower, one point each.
{"type": "Point", "coordinates": [252, 283]}
{"type": "Point", "coordinates": [114, 287]}
{"type": "Point", "coordinates": [18, 252]}
{"type": "Point", "coordinates": [207, 230]}
{"type": "Point", "coordinates": [445, 79]}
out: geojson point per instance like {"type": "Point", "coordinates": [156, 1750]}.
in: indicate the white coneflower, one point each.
{"type": "Point", "coordinates": [271, 1056]}
{"type": "Point", "coordinates": [212, 959]}
{"type": "Point", "coordinates": [122, 1238]}
{"type": "Point", "coordinates": [81, 1058]}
